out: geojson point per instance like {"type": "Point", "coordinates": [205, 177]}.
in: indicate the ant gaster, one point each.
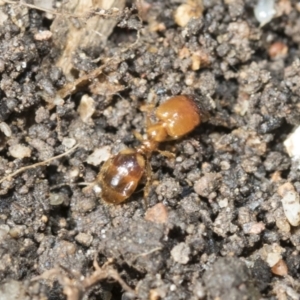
{"type": "Point", "coordinates": [121, 174]}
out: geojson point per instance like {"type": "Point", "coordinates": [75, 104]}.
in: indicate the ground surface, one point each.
{"type": "Point", "coordinates": [214, 225]}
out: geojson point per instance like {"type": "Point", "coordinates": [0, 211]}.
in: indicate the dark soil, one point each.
{"type": "Point", "coordinates": [219, 218]}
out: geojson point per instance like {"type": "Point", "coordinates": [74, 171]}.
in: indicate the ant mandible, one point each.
{"type": "Point", "coordinates": [121, 174]}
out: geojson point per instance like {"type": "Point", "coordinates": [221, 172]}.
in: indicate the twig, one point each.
{"type": "Point", "coordinates": [148, 253]}
{"type": "Point", "coordinates": [105, 272]}
{"type": "Point", "coordinates": [71, 287]}
{"type": "Point", "coordinates": [71, 88]}
{"type": "Point", "coordinates": [42, 163]}
{"type": "Point", "coordinates": [74, 288]}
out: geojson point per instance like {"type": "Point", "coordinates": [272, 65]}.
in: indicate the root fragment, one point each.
{"type": "Point", "coordinates": [42, 163]}
{"type": "Point", "coordinates": [74, 287]}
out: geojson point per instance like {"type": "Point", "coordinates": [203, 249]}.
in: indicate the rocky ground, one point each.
{"type": "Point", "coordinates": [218, 222]}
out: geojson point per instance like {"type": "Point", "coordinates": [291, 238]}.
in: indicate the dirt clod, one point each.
{"type": "Point", "coordinates": [229, 278]}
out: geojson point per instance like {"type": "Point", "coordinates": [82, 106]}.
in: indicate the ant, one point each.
{"type": "Point", "coordinates": [121, 174]}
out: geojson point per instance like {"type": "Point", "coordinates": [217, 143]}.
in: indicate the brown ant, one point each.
{"type": "Point", "coordinates": [121, 174]}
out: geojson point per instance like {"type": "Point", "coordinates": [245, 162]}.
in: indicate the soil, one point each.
{"type": "Point", "coordinates": [213, 225]}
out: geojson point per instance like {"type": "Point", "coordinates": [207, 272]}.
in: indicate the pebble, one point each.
{"type": "Point", "coordinates": [5, 129]}
{"type": "Point", "coordinates": [99, 155]}
{"type": "Point", "coordinates": [157, 214]}
{"type": "Point", "coordinates": [273, 258]}
{"type": "Point", "coordinates": [68, 142]}
{"type": "Point", "coordinates": [19, 151]}
{"type": "Point", "coordinates": [180, 253]}
{"type": "Point", "coordinates": [86, 108]}
{"type": "Point", "coordinates": [187, 11]}
{"type": "Point", "coordinates": [292, 144]}
{"type": "Point", "coordinates": [283, 225]}
{"type": "Point", "coordinates": [84, 239]}
{"type": "Point", "coordinates": [43, 35]}
{"type": "Point", "coordinates": [155, 294]}
{"type": "Point", "coordinates": [280, 268]}
{"type": "Point", "coordinates": [271, 254]}
{"type": "Point", "coordinates": [253, 227]}
{"type": "Point", "coordinates": [86, 204]}
{"type": "Point", "coordinates": [278, 50]}
{"type": "Point", "coordinates": [42, 114]}
{"type": "Point", "coordinates": [264, 11]}
{"type": "Point", "coordinates": [17, 231]}
{"type": "Point", "coordinates": [290, 202]}
{"type": "Point", "coordinates": [58, 199]}
{"type": "Point", "coordinates": [70, 248]}
{"type": "Point", "coordinates": [207, 184]}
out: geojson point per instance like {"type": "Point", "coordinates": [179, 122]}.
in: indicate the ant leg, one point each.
{"type": "Point", "coordinates": [167, 154]}
{"type": "Point", "coordinates": [138, 136]}
{"type": "Point", "coordinates": [106, 206]}
{"type": "Point", "coordinates": [148, 118]}
{"type": "Point", "coordinates": [88, 187]}
{"type": "Point", "coordinates": [148, 109]}
{"type": "Point", "coordinates": [149, 180]}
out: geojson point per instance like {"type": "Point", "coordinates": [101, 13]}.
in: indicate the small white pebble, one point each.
{"type": "Point", "coordinates": [199, 290]}
{"type": "Point", "coordinates": [19, 151]}
{"type": "Point", "coordinates": [290, 202]}
{"type": "Point", "coordinates": [223, 203]}
{"type": "Point", "coordinates": [291, 207]}
{"type": "Point", "coordinates": [180, 253]}
{"type": "Point", "coordinates": [273, 259]}
{"type": "Point", "coordinates": [58, 100]}
{"type": "Point", "coordinates": [5, 129]}
{"type": "Point", "coordinates": [225, 165]}
{"type": "Point", "coordinates": [179, 159]}
{"type": "Point", "coordinates": [99, 155]}
{"type": "Point", "coordinates": [190, 229]}
{"type": "Point", "coordinates": [84, 239]}
{"type": "Point", "coordinates": [264, 11]}
{"type": "Point", "coordinates": [68, 142]}
{"type": "Point", "coordinates": [271, 254]}
{"type": "Point", "coordinates": [86, 108]}
{"type": "Point", "coordinates": [43, 35]}
{"type": "Point", "coordinates": [292, 144]}
{"type": "Point", "coordinates": [173, 287]}
{"type": "Point", "coordinates": [187, 11]}
{"type": "Point", "coordinates": [74, 172]}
